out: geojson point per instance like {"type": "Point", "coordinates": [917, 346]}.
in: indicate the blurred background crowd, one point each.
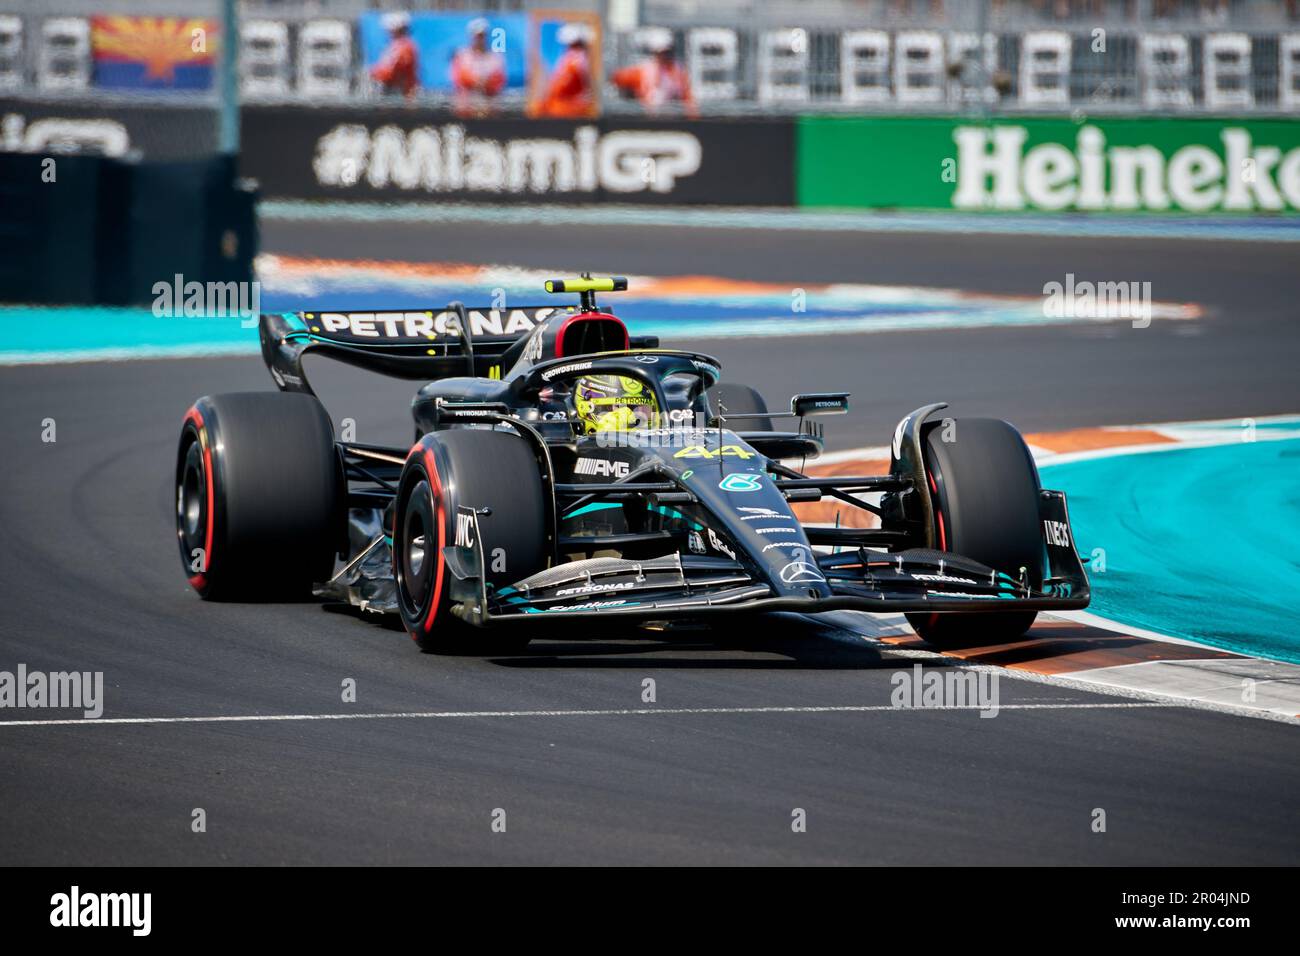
{"type": "Point", "coordinates": [1092, 106]}
{"type": "Point", "coordinates": [576, 58]}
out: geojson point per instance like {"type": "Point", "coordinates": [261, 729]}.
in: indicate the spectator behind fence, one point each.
{"type": "Point", "coordinates": [397, 68]}
{"type": "Point", "coordinates": [659, 80]}
{"type": "Point", "coordinates": [477, 73]}
{"type": "Point", "coordinates": [568, 90]}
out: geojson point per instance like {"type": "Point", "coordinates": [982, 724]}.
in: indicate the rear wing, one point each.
{"type": "Point", "coordinates": [416, 345]}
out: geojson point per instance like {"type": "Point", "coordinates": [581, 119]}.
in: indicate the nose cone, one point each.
{"type": "Point", "coordinates": [801, 577]}
{"type": "Point", "coordinates": [731, 481]}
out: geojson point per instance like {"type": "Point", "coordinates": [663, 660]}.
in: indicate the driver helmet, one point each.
{"type": "Point", "coordinates": [614, 403]}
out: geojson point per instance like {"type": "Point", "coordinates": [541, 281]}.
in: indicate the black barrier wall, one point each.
{"type": "Point", "coordinates": [49, 241]}
{"type": "Point", "coordinates": [96, 230]}
{"type": "Point", "coordinates": [406, 154]}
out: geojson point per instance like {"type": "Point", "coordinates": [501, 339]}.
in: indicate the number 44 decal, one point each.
{"type": "Point", "coordinates": [726, 451]}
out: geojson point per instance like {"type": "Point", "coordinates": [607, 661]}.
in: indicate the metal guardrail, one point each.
{"type": "Point", "coordinates": [920, 70]}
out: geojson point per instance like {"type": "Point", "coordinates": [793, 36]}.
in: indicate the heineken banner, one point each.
{"type": "Point", "coordinates": [1122, 164]}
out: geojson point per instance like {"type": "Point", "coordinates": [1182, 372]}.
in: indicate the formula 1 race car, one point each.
{"type": "Point", "coordinates": [564, 469]}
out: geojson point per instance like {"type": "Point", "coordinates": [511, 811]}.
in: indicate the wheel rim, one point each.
{"type": "Point", "coordinates": [192, 504]}
{"type": "Point", "coordinates": [415, 554]}
{"type": "Point", "coordinates": [418, 540]}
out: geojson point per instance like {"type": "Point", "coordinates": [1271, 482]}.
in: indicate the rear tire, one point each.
{"type": "Point", "coordinates": [985, 490]}
{"type": "Point", "coordinates": [495, 473]}
{"type": "Point", "coordinates": [259, 496]}
{"type": "Point", "coordinates": [742, 400]}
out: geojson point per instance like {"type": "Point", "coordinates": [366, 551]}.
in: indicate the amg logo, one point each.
{"type": "Point", "coordinates": [594, 588]}
{"type": "Point", "coordinates": [464, 529]}
{"type": "Point", "coordinates": [602, 467]}
{"type": "Point", "coordinates": [1057, 533]}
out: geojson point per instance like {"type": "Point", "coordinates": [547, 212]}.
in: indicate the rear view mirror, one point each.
{"type": "Point", "coordinates": [820, 403]}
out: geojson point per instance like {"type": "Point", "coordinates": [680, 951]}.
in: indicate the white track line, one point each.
{"type": "Point", "coordinates": [640, 712]}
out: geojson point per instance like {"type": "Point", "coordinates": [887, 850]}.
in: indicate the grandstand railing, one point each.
{"type": "Point", "coordinates": [855, 56]}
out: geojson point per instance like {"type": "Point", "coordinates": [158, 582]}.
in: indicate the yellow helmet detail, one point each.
{"type": "Point", "coordinates": [614, 403]}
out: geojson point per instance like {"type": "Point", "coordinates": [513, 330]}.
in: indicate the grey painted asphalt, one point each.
{"type": "Point", "coordinates": [92, 582]}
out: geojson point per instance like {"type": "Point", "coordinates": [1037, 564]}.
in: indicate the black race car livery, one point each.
{"type": "Point", "coordinates": [519, 503]}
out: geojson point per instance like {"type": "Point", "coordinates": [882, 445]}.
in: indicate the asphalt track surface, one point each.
{"type": "Point", "coordinates": [91, 582]}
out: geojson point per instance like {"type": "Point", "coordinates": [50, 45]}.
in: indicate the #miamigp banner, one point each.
{"type": "Point", "coordinates": [403, 154]}
{"type": "Point", "coordinates": [1121, 164]}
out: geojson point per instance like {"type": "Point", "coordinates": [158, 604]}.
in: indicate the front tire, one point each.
{"type": "Point", "coordinates": [495, 473]}
{"type": "Point", "coordinates": [259, 491]}
{"type": "Point", "coordinates": [985, 489]}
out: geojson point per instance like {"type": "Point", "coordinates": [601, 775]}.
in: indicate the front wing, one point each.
{"type": "Point", "coordinates": [680, 585]}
